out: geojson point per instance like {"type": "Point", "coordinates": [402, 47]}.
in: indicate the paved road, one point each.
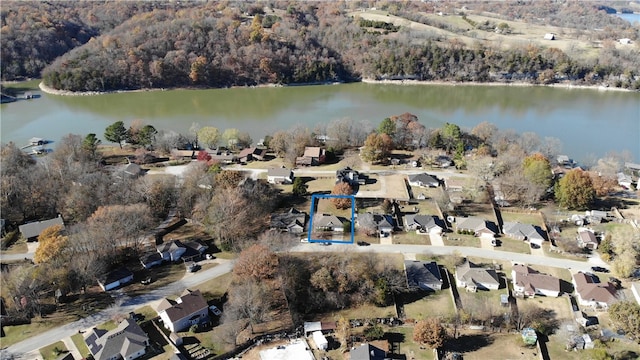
{"type": "Point", "coordinates": [450, 250]}
{"type": "Point", "coordinates": [21, 349]}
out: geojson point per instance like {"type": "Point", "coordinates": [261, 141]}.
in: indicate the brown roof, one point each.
{"type": "Point", "coordinates": [590, 289]}
{"type": "Point", "coordinates": [531, 279]}
{"type": "Point", "coordinates": [313, 151]}
{"type": "Point", "coordinates": [588, 237]}
{"type": "Point", "coordinates": [189, 303]}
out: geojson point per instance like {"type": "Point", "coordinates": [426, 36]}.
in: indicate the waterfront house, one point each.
{"type": "Point", "coordinates": [189, 309]}
{"type": "Point", "coordinates": [252, 153]}
{"type": "Point", "coordinates": [127, 341]}
{"type": "Point", "coordinates": [312, 156]}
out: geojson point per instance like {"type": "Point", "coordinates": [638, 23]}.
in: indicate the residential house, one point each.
{"type": "Point", "coordinates": [367, 352]}
{"type": "Point", "coordinates": [115, 278]}
{"type": "Point", "coordinates": [327, 222]}
{"type": "Point", "coordinates": [313, 156]}
{"type": "Point", "coordinates": [423, 180]}
{"type": "Point", "coordinates": [32, 230]}
{"type": "Point", "coordinates": [171, 250]}
{"type": "Point", "coordinates": [132, 170]}
{"type": "Point", "coordinates": [189, 309]}
{"type": "Point", "coordinates": [591, 292]}
{"type": "Point", "coordinates": [424, 223]}
{"type": "Point", "coordinates": [478, 226]}
{"type": "Point", "coordinates": [320, 341]}
{"type": "Point", "coordinates": [150, 260]}
{"type": "Point", "coordinates": [564, 161]}
{"type": "Point", "coordinates": [528, 282]}
{"type": "Point", "coordinates": [625, 41]}
{"type": "Point", "coordinates": [223, 156]}
{"type": "Point", "coordinates": [625, 180]}
{"type": "Point", "coordinates": [452, 184]}
{"type": "Point", "coordinates": [183, 154]}
{"type": "Point", "coordinates": [587, 239]}
{"type": "Point", "coordinates": [382, 224]}
{"type": "Point", "coordinates": [350, 176]}
{"type": "Point", "coordinates": [423, 275]}
{"type": "Point", "coordinates": [252, 153]}
{"type": "Point", "coordinates": [279, 176]}
{"type": "Point", "coordinates": [292, 221]}
{"type": "Point", "coordinates": [194, 250]}
{"type": "Point", "coordinates": [127, 341]}
{"type": "Point", "coordinates": [473, 277]}
{"type": "Point", "coordinates": [443, 161]}
{"type": "Point", "coordinates": [596, 216]}
{"type": "Point", "coordinates": [525, 232]}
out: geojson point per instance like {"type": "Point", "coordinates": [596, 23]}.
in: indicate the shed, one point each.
{"type": "Point", "coordinates": [320, 340]}
{"type": "Point", "coordinates": [529, 336]}
{"type": "Point", "coordinates": [313, 326]}
{"type": "Point", "coordinates": [549, 36]}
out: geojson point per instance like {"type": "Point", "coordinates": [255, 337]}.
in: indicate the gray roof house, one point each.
{"type": "Point", "coordinates": [328, 222]}
{"type": "Point", "coordinates": [381, 223]}
{"type": "Point", "coordinates": [525, 232]}
{"type": "Point", "coordinates": [423, 275]}
{"type": "Point", "coordinates": [32, 230]}
{"type": "Point", "coordinates": [473, 277]}
{"type": "Point", "coordinates": [478, 225]}
{"type": "Point", "coordinates": [426, 223]}
{"type": "Point", "coordinates": [292, 221]}
{"type": "Point", "coordinates": [127, 341]}
{"type": "Point", "coordinates": [171, 250]}
{"type": "Point", "coordinates": [423, 180]}
{"type": "Point", "coordinates": [367, 352]}
{"type": "Point", "coordinates": [115, 278]}
{"type": "Point", "coordinates": [279, 176]}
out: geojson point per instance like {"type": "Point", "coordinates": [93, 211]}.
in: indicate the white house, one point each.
{"type": "Point", "coordinates": [189, 309]}
{"type": "Point", "coordinates": [171, 250]}
{"type": "Point", "coordinates": [279, 176]}
{"type": "Point", "coordinates": [635, 289]}
{"type": "Point", "coordinates": [549, 36]}
{"type": "Point", "coordinates": [320, 340]}
{"type": "Point", "coordinates": [115, 278]}
{"type": "Point", "coordinates": [423, 180]}
{"type": "Point", "coordinates": [624, 180]}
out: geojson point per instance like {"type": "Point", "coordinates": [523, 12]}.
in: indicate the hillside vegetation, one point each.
{"type": "Point", "coordinates": [149, 45]}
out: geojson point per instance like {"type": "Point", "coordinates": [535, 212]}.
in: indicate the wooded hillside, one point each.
{"type": "Point", "coordinates": [155, 45]}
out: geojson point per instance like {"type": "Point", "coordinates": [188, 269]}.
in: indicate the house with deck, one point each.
{"type": "Point", "coordinates": [529, 282]}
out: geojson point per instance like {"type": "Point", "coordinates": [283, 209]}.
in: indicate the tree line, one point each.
{"type": "Point", "coordinates": [153, 45]}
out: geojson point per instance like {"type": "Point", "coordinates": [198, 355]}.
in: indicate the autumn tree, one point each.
{"type": "Point", "coordinates": [256, 262]}
{"type": "Point", "coordinates": [343, 331]}
{"type": "Point", "coordinates": [626, 316]}
{"type": "Point", "coordinates": [228, 179]}
{"type": "Point", "coordinates": [430, 332]}
{"type": "Point", "coordinates": [209, 136]}
{"type": "Point", "coordinates": [116, 133]}
{"type": "Point", "coordinates": [52, 242]}
{"type": "Point", "coordinates": [377, 148]}
{"type": "Point", "coordinates": [342, 188]}
{"type": "Point", "coordinates": [575, 190]}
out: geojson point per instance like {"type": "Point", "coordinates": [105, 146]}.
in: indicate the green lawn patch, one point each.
{"type": "Point", "coordinates": [524, 217]}
{"type": "Point", "coordinates": [78, 341]}
{"type": "Point", "coordinates": [403, 335]}
{"type": "Point", "coordinates": [216, 287]}
{"type": "Point", "coordinates": [53, 351]}
{"type": "Point", "coordinates": [365, 311]}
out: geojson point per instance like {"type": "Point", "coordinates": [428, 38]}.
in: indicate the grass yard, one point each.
{"type": "Point", "coordinates": [477, 345]}
{"type": "Point", "coordinates": [321, 185]}
{"type": "Point", "coordinates": [558, 254]}
{"type": "Point", "coordinates": [512, 245]}
{"type": "Point", "coordinates": [78, 341]}
{"type": "Point", "coordinates": [402, 336]}
{"type": "Point", "coordinates": [411, 238]}
{"type": "Point", "coordinates": [454, 239]}
{"type": "Point", "coordinates": [423, 207]}
{"type": "Point", "coordinates": [215, 288]}
{"type": "Point", "coordinates": [53, 351]}
{"type": "Point", "coordinates": [365, 311]}
{"type": "Point", "coordinates": [438, 304]}
{"type": "Point", "coordinates": [525, 217]}
{"type": "Point", "coordinates": [19, 247]}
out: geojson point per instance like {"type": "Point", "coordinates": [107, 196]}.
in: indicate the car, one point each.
{"type": "Point", "coordinates": [194, 267]}
{"type": "Point", "coordinates": [304, 240]}
{"type": "Point", "coordinates": [214, 309]}
{"type": "Point", "coordinates": [325, 243]}
{"type": "Point", "coordinates": [363, 243]}
{"type": "Point", "coordinates": [146, 281]}
{"type": "Point", "coordinates": [599, 269]}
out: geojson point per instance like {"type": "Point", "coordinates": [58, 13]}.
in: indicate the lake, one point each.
{"type": "Point", "coordinates": [630, 17]}
{"type": "Point", "coordinates": [590, 123]}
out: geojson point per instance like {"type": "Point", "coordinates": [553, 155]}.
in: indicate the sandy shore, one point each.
{"type": "Point", "coordinates": [567, 85]}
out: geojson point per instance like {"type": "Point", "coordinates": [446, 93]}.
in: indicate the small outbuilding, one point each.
{"type": "Point", "coordinates": [549, 36]}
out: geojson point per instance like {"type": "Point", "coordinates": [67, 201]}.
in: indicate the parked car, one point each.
{"type": "Point", "coordinates": [363, 243]}
{"type": "Point", "coordinates": [146, 281]}
{"type": "Point", "coordinates": [599, 269]}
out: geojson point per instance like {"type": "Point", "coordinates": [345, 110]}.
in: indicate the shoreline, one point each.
{"type": "Point", "coordinates": [44, 88]}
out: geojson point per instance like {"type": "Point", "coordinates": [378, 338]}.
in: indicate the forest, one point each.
{"type": "Point", "coordinates": [104, 46]}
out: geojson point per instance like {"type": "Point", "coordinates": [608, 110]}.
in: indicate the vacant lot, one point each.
{"type": "Point", "coordinates": [438, 304]}
{"type": "Point", "coordinates": [477, 345]}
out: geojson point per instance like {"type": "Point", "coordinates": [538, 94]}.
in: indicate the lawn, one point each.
{"type": "Point", "coordinates": [53, 351]}
{"type": "Point", "coordinates": [215, 288]}
{"type": "Point", "coordinates": [19, 247]}
{"type": "Point", "coordinates": [525, 217]}
{"type": "Point", "coordinates": [78, 340]}
{"type": "Point", "coordinates": [438, 304]}
{"type": "Point", "coordinates": [512, 245]}
{"type": "Point", "coordinates": [454, 239]}
{"type": "Point", "coordinates": [321, 185]}
{"type": "Point", "coordinates": [412, 238]}
{"type": "Point", "coordinates": [477, 345]}
{"type": "Point", "coordinates": [403, 337]}
{"type": "Point", "coordinates": [365, 311]}
{"type": "Point", "coordinates": [558, 254]}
